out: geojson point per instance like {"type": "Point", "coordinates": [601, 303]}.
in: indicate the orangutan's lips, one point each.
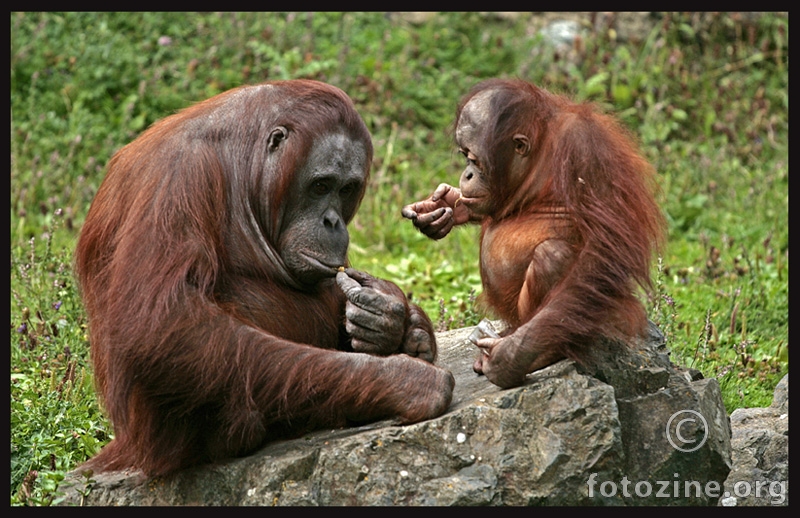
{"type": "Point", "coordinates": [321, 265]}
{"type": "Point", "coordinates": [467, 201]}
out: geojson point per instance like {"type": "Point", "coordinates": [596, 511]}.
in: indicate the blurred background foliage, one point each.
{"type": "Point", "coordinates": [707, 94]}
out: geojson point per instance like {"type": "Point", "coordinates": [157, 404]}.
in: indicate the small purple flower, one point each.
{"type": "Point", "coordinates": [57, 305]}
{"type": "Point", "coordinates": [23, 329]}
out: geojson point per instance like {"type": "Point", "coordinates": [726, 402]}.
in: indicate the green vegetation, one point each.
{"type": "Point", "coordinates": [708, 94]}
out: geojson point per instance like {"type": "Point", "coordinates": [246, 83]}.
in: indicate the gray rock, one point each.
{"type": "Point", "coordinates": [570, 436]}
{"type": "Point", "coordinates": [760, 451]}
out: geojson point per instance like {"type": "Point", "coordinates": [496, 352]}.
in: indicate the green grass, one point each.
{"type": "Point", "coordinates": [707, 95]}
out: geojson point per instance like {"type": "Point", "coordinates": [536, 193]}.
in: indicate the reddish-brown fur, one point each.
{"type": "Point", "coordinates": [203, 348]}
{"type": "Point", "coordinates": [590, 187]}
{"type": "Point", "coordinates": [569, 223]}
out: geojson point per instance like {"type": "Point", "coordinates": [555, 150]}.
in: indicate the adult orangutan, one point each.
{"type": "Point", "coordinates": [569, 224]}
{"type": "Point", "coordinates": [209, 265]}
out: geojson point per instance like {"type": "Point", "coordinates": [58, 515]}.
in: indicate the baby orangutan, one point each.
{"type": "Point", "coordinates": [569, 224]}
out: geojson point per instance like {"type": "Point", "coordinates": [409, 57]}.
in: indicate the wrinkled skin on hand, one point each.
{"type": "Point", "coordinates": [376, 316]}
{"type": "Point", "coordinates": [437, 215]}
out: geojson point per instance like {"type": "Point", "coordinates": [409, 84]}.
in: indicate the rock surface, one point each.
{"type": "Point", "coordinates": [760, 452]}
{"type": "Point", "coordinates": [569, 436]}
